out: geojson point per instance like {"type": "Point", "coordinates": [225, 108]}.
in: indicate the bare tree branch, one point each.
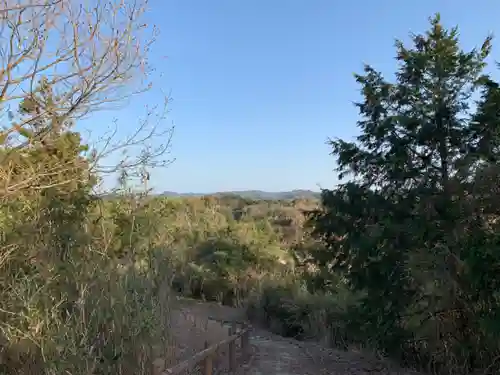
{"type": "Point", "coordinates": [6, 6]}
{"type": "Point", "coordinates": [147, 146]}
{"type": "Point", "coordinates": [93, 55]}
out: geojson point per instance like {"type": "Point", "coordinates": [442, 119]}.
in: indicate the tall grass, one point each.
{"type": "Point", "coordinates": [118, 322]}
{"type": "Point", "coordinates": [69, 307]}
{"type": "Point", "coordinates": [290, 310]}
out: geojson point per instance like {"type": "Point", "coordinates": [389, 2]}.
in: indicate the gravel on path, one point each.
{"type": "Point", "coordinates": [276, 355]}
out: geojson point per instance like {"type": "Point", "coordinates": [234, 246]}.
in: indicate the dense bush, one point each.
{"type": "Point", "coordinates": [416, 226]}
{"type": "Point", "coordinates": [291, 310]}
{"type": "Point", "coordinates": [67, 305]}
{"type": "Point", "coordinates": [214, 255]}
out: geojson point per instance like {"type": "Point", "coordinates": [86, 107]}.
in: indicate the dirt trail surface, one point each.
{"type": "Point", "coordinates": [276, 355]}
{"type": "Point", "coordinates": [281, 356]}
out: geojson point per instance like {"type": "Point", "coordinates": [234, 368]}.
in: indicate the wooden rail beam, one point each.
{"type": "Point", "coordinates": [206, 356]}
{"type": "Point", "coordinates": [208, 365]}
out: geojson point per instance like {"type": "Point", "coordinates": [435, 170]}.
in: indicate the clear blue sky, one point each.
{"type": "Point", "coordinates": [259, 85]}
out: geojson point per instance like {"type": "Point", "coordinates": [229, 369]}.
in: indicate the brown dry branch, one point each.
{"type": "Point", "coordinates": [11, 5]}
{"type": "Point", "coordinates": [90, 51]}
{"type": "Point", "coordinates": [148, 130]}
{"type": "Point", "coordinates": [93, 54]}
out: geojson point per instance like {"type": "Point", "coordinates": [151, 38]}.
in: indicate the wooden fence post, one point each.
{"type": "Point", "coordinates": [232, 349]}
{"type": "Point", "coordinates": [208, 365]}
{"type": "Point", "coordinates": [245, 344]}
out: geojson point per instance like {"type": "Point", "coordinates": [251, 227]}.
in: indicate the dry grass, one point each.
{"type": "Point", "coordinates": [90, 318]}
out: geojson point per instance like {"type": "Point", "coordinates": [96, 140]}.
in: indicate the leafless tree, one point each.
{"type": "Point", "coordinates": [93, 55]}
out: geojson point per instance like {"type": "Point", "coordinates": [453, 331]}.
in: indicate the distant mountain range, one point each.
{"type": "Point", "coordinates": [252, 194]}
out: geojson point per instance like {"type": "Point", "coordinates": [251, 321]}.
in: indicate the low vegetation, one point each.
{"type": "Point", "coordinates": [402, 258]}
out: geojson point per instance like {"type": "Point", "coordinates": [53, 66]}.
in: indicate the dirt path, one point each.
{"type": "Point", "coordinates": [276, 355]}
{"type": "Point", "coordinates": [281, 356]}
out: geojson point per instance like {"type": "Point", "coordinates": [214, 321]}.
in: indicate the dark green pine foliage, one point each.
{"type": "Point", "coordinates": [410, 214]}
{"type": "Point", "coordinates": [55, 186]}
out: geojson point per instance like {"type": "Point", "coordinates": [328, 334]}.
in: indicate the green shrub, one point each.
{"type": "Point", "coordinates": [291, 310]}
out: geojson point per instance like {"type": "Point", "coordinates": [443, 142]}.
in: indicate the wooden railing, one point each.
{"type": "Point", "coordinates": [206, 357]}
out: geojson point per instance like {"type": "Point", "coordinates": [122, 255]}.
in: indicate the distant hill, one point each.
{"type": "Point", "coordinates": [253, 194]}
